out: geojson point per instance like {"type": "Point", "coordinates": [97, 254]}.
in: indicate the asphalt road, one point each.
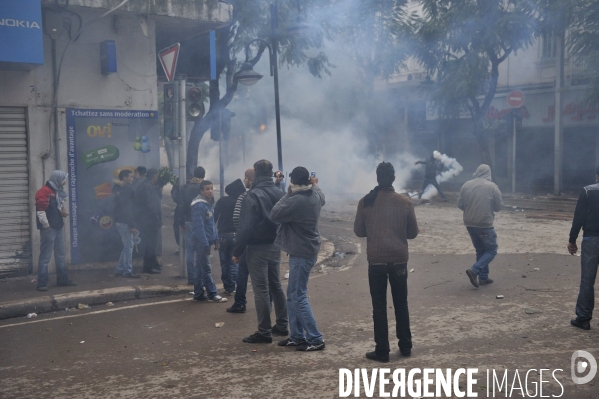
{"type": "Point", "coordinates": [171, 348]}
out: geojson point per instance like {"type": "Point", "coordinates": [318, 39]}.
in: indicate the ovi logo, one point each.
{"type": "Point", "coordinates": [583, 362]}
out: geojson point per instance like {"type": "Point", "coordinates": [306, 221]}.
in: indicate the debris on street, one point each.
{"type": "Point", "coordinates": [109, 304]}
{"type": "Point", "coordinates": [499, 297]}
{"type": "Point", "coordinates": [219, 324]}
{"type": "Point", "coordinates": [32, 315]}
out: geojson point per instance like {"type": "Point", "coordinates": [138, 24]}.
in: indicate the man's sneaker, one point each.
{"type": "Point", "coordinates": [42, 288]}
{"type": "Point", "coordinates": [473, 277]}
{"type": "Point", "coordinates": [279, 332]}
{"type": "Point", "coordinates": [229, 293]}
{"type": "Point", "coordinates": [485, 282]}
{"type": "Point", "coordinates": [257, 338]}
{"type": "Point", "coordinates": [236, 309]}
{"type": "Point", "coordinates": [290, 342]}
{"type": "Point", "coordinates": [131, 275]}
{"type": "Point", "coordinates": [405, 352]}
{"type": "Point", "coordinates": [310, 347]}
{"type": "Point", "coordinates": [217, 299]}
{"type": "Point", "coordinates": [67, 283]}
{"type": "Point", "coordinates": [585, 325]}
{"type": "Point", "coordinates": [377, 357]}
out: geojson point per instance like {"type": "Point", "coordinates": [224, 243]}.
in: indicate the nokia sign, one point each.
{"type": "Point", "coordinates": [22, 44]}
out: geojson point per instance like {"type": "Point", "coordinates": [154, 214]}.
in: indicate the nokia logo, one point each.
{"type": "Point", "coordinates": [17, 23]}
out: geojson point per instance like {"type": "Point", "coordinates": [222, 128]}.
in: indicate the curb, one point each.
{"type": "Point", "coordinates": [53, 303]}
{"type": "Point", "coordinates": [327, 249]}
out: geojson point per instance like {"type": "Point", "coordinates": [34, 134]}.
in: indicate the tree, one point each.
{"type": "Point", "coordinates": [583, 41]}
{"type": "Point", "coordinates": [251, 19]}
{"type": "Point", "coordinates": [462, 43]}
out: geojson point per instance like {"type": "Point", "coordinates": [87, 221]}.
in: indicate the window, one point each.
{"type": "Point", "coordinates": [548, 46]}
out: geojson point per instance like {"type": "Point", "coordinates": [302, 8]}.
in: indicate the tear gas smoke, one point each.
{"type": "Point", "coordinates": [452, 168]}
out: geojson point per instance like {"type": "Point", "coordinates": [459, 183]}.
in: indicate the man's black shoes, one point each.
{"type": "Point", "coordinates": [131, 275]}
{"type": "Point", "coordinates": [151, 271]}
{"type": "Point", "coordinates": [473, 277]}
{"type": "Point", "coordinates": [236, 309]}
{"type": "Point", "coordinates": [405, 352]}
{"type": "Point", "coordinates": [306, 347]}
{"type": "Point", "coordinates": [377, 357]}
{"type": "Point", "coordinates": [290, 342]}
{"type": "Point", "coordinates": [584, 325]}
{"type": "Point", "coordinates": [279, 332]}
{"type": "Point", "coordinates": [485, 282]}
{"type": "Point", "coordinates": [257, 338]}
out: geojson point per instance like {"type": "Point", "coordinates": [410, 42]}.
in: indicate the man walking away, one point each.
{"type": "Point", "coordinates": [298, 212]}
{"type": "Point", "coordinates": [124, 217]}
{"type": "Point", "coordinates": [149, 220]}
{"type": "Point", "coordinates": [430, 176]}
{"type": "Point", "coordinates": [223, 214]}
{"type": "Point", "coordinates": [188, 193]}
{"type": "Point", "coordinates": [242, 269]}
{"type": "Point", "coordinates": [50, 211]}
{"type": "Point", "coordinates": [203, 236]}
{"type": "Point", "coordinates": [258, 232]}
{"type": "Point", "coordinates": [586, 216]}
{"type": "Point", "coordinates": [480, 198]}
{"type": "Point", "coordinates": [388, 220]}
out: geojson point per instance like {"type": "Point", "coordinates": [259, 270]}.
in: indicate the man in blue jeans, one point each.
{"type": "Point", "coordinates": [586, 217]}
{"type": "Point", "coordinates": [480, 198]}
{"type": "Point", "coordinates": [298, 212]}
{"type": "Point", "coordinates": [124, 216]}
{"type": "Point", "coordinates": [50, 212]}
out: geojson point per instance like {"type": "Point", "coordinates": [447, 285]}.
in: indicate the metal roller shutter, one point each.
{"type": "Point", "coordinates": [15, 240]}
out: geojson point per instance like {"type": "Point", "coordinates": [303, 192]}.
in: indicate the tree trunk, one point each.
{"type": "Point", "coordinates": [482, 139]}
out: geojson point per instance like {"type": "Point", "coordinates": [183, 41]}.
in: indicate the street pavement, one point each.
{"type": "Point", "coordinates": [171, 347]}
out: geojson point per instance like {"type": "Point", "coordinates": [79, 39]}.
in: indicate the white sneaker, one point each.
{"type": "Point", "coordinates": [217, 299]}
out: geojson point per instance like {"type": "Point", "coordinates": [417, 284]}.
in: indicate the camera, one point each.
{"type": "Point", "coordinates": [278, 174]}
{"type": "Point", "coordinates": [312, 174]}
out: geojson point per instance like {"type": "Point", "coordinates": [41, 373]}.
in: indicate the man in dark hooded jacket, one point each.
{"type": "Point", "coordinates": [124, 217]}
{"type": "Point", "coordinates": [223, 214]}
{"type": "Point", "coordinates": [149, 220]}
{"type": "Point", "coordinates": [430, 176]}
{"type": "Point", "coordinates": [258, 232]}
{"type": "Point", "coordinates": [188, 193]}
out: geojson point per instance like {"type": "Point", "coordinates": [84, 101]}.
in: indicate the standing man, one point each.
{"type": "Point", "coordinates": [298, 212]}
{"type": "Point", "coordinates": [242, 269]}
{"type": "Point", "coordinates": [430, 176]}
{"type": "Point", "coordinates": [149, 220]}
{"type": "Point", "coordinates": [388, 220]}
{"type": "Point", "coordinates": [50, 212]}
{"type": "Point", "coordinates": [586, 216]}
{"type": "Point", "coordinates": [203, 236]}
{"type": "Point", "coordinates": [139, 176]}
{"type": "Point", "coordinates": [188, 193]}
{"type": "Point", "coordinates": [480, 198]}
{"type": "Point", "coordinates": [124, 216]}
{"type": "Point", "coordinates": [223, 214]}
{"type": "Point", "coordinates": [258, 232]}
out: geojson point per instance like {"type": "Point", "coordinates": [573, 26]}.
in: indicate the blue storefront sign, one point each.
{"type": "Point", "coordinates": [22, 41]}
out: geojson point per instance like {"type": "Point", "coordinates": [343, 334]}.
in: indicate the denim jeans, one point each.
{"type": "Point", "coordinates": [485, 244]}
{"type": "Point", "coordinates": [264, 267]}
{"type": "Point", "coordinates": [589, 259]}
{"type": "Point", "coordinates": [300, 313]}
{"type": "Point", "coordinates": [242, 281]}
{"type": "Point", "coordinates": [125, 266]}
{"type": "Point", "coordinates": [51, 240]}
{"type": "Point", "coordinates": [190, 255]}
{"type": "Point", "coordinates": [203, 275]}
{"type": "Point", "coordinates": [397, 274]}
{"type": "Point", "coordinates": [227, 266]}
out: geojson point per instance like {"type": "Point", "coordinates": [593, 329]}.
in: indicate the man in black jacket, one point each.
{"type": "Point", "coordinates": [430, 176]}
{"type": "Point", "coordinates": [188, 193]}
{"type": "Point", "coordinates": [586, 216]}
{"type": "Point", "coordinates": [124, 216]}
{"type": "Point", "coordinates": [223, 214]}
{"type": "Point", "coordinates": [258, 232]}
{"type": "Point", "coordinates": [149, 220]}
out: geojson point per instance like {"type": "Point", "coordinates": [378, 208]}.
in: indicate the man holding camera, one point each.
{"type": "Point", "coordinates": [257, 232]}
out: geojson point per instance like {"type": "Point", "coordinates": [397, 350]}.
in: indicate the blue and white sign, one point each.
{"type": "Point", "coordinates": [22, 43]}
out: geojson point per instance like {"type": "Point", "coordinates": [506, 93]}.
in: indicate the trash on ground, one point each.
{"type": "Point", "coordinates": [34, 280]}
{"type": "Point", "coordinates": [350, 253]}
{"type": "Point", "coordinates": [286, 276]}
{"type": "Point", "coordinates": [536, 269]}
{"type": "Point", "coordinates": [339, 255]}
{"type": "Point", "coordinates": [32, 315]}
{"type": "Point", "coordinates": [219, 324]}
{"type": "Point", "coordinates": [82, 342]}
{"type": "Point", "coordinates": [82, 306]}
{"type": "Point", "coordinates": [411, 270]}
{"type": "Point", "coordinates": [524, 276]}
{"type": "Point", "coordinates": [499, 297]}
{"type": "Point", "coordinates": [532, 311]}
{"type": "Point", "coordinates": [254, 350]}
{"type": "Point", "coordinates": [109, 304]}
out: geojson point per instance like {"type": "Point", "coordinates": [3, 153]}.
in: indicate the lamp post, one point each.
{"type": "Point", "coordinates": [248, 77]}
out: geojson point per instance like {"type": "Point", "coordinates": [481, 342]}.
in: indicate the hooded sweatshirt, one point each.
{"type": "Point", "coordinates": [203, 233]}
{"type": "Point", "coordinates": [49, 201]}
{"type": "Point", "coordinates": [480, 198]}
{"type": "Point", "coordinates": [224, 208]}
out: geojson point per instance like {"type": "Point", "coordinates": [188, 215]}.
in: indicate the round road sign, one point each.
{"type": "Point", "coordinates": [515, 99]}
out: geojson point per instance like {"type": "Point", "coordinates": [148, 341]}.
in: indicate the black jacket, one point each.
{"type": "Point", "coordinates": [431, 168]}
{"type": "Point", "coordinates": [224, 208]}
{"type": "Point", "coordinates": [255, 225]}
{"type": "Point", "coordinates": [187, 194]}
{"type": "Point", "coordinates": [148, 211]}
{"type": "Point", "coordinates": [124, 204]}
{"type": "Point", "coordinates": [586, 215]}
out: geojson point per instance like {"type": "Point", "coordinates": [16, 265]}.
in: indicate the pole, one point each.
{"type": "Point", "coordinates": [514, 153]}
{"type": "Point", "coordinates": [559, 129]}
{"type": "Point", "coordinates": [182, 165]}
{"type": "Point", "coordinates": [273, 60]}
{"type": "Point", "coordinates": [221, 147]}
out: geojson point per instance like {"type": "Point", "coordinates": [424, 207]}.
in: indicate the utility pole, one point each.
{"type": "Point", "coordinates": [182, 163]}
{"type": "Point", "coordinates": [559, 127]}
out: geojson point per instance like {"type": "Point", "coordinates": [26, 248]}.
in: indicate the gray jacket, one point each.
{"type": "Point", "coordinates": [298, 214]}
{"type": "Point", "coordinates": [480, 198]}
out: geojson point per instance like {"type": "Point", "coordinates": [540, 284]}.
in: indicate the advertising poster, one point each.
{"type": "Point", "coordinates": [101, 143]}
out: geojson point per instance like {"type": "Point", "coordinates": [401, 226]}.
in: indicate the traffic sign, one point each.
{"type": "Point", "coordinates": [515, 99]}
{"type": "Point", "coordinates": [168, 58]}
